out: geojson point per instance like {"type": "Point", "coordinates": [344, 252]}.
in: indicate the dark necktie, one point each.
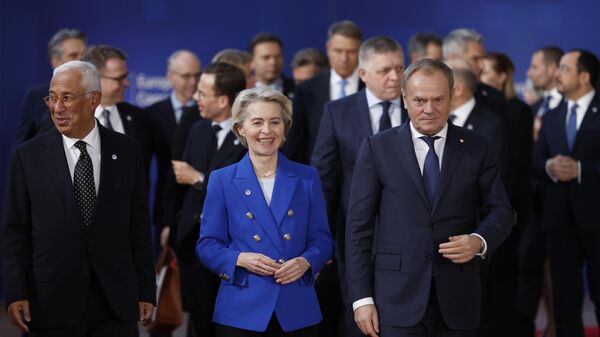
{"type": "Point", "coordinates": [545, 105]}
{"type": "Point", "coordinates": [83, 184]}
{"type": "Point", "coordinates": [451, 118]}
{"type": "Point", "coordinates": [572, 127]}
{"type": "Point", "coordinates": [106, 116]}
{"type": "Point", "coordinates": [385, 122]}
{"type": "Point", "coordinates": [214, 142]}
{"type": "Point", "coordinates": [431, 168]}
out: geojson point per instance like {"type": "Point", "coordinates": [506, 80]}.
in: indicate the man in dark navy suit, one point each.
{"type": "Point", "coordinates": [338, 82]}
{"type": "Point", "coordinates": [427, 198]}
{"type": "Point", "coordinates": [77, 253]}
{"type": "Point", "coordinates": [267, 62]}
{"type": "Point", "coordinates": [567, 157]}
{"type": "Point", "coordinates": [211, 145]}
{"type": "Point", "coordinates": [64, 46]}
{"type": "Point", "coordinates": [345, 124]}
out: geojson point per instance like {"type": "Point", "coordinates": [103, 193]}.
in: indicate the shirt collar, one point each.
{"type": "Point", "coordinates": [335, 78]}
{"type": "Point", "coordinates": [416, 134]}
{"type": "Point", "coordinates": [584, 101]}
{"type": "Point", "coordinates": [373, 100]}
{"type": "Point", "coordinates": [92, 138]}
{"type": "Point", "coordinates": [100, 108]}
{"type": "Point", "coordinates": [225, 125]}
{"type": "Point", "coordinates": [465, 109]}
{"type": "Point", "coordinates": [177, 104]}
{"type": "Point", "coordinates": [276, 85]}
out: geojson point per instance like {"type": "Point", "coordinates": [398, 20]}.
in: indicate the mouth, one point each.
{"type": "Point", "coordinates": [61, 121]}
{"type": "Point", "coordinates": [266, 140]}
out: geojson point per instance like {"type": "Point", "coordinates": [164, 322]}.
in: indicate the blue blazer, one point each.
{"type": "Point", "coordinates": [393, 231]}
{"type": "Point", "coordinates": [237, 219]}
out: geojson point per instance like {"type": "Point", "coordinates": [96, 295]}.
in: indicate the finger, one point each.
{"type": "Point", "coordinates": [375, 319]}
{"type": "Point", "coordinates": [26, 313]}
{"type": "Point", "coordinates": [450, 244]}
{"type": "Point", "coordinates": [17, 320]}
{"type": "Point", "coordinates": [454, 250]}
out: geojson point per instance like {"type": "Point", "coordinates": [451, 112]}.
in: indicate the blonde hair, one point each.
{"type": "Point", "coordinates": [265, 94]}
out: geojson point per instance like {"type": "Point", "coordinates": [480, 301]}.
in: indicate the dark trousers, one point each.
{"type": "Point", "coordinates": [329, 295]}
{"type": "Point", "coordinates": [348, 326]}
{"type": "Point", "coordinates": [273, 330]}
{"type": "Point", "coordinates": [431, 325]}
{"type": "Point", "coordinates": [98, 319]}
{"type": "Point", "coordinates": [568, 248]}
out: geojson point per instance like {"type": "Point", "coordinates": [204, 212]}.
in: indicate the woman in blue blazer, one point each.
{"type": "Point", "coordinates": [264, 228]}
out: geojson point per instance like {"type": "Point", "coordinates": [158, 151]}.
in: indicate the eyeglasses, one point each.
{"type": "Point", "coordinates": [119, 78]}
{"type": "Point", "coordinates": [66, 100]}
{"type": "Point", "coordinates": [188, 76]}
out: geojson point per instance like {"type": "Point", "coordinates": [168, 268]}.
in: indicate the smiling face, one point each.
{"type": "Point", "coordinates": [427, 98]}
{"type": "Point", "coordinates": [263, 128]}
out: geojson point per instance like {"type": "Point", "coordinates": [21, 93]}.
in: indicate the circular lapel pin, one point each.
{"type": "Point", "coordinates": [247, 192]}
{"type": "Point", "coordinates": [114, 156]}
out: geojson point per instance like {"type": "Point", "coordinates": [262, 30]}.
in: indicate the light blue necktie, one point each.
{"type": "Point", "coordinates": [431, 168]}
{"type": "Point", "coordinates": [572, 127]}
{"type": "Point", "coordinates": [545, 105]}
{"type": "Point", "coordinates": [342, 93]}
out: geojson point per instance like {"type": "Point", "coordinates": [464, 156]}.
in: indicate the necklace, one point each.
{"type": "Point", "coordinates": [265, 174]}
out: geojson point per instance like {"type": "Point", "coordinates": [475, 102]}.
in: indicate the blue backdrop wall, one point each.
{"type": "Point", "coordinates": [149, 30]}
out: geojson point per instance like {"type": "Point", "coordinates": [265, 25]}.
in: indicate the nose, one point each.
{"type": "Point", "coordinates": [428, 107]}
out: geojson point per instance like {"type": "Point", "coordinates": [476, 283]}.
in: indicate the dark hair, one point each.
{"type": "Point", "coordinates": [345, 28]}
{"type": "Point", "coordinates": [501, 63]}
{"type": "Point", "coordinates": [229, 79]}
{"type": "Point", "coordinates": [98, 55]}
{"type": "Point", "coordinates": [55, 43]}
{"type": "Point", "coordinates": [419, 42]}
{"type": "Point", "coordinates": [308, 56]}
{"type": "Point", "coordinates": [551, 54]}
{"type": "Point", "coordinates": [428, 65]}
{"type": "Point", "coordinates": [588, 62]}
{"type": "Point", "coordinates": [262, 38]}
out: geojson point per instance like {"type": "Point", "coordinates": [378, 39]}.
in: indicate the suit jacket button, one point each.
{"type": "Point", "coordinates": [282, 261]}
{"type": "Point", "coordinates": [249, 216]}
{"type": "Point", "coordinates": [257, 238]}
{"type": "Point", "coordinates": [290, 212]}
{"type": "Point", "coordinates": [317, 275]}
{"type": "Point", "coordinates": [428, 256]}
{"type": "Point", "coordinates": [287, 237]}
{"type": "Point", "coordinates": [226, 277]}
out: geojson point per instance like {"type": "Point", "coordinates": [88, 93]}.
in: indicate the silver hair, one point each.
{"type": "Point", "coordinates": [377, 45]}
{"type": "Point", "coordinates": [456, 41]}
{"type": "Point", "coordinates": [55, 43]}
{"type": "Point", "coordinates": [171, 60]}
{"type": "Point", "coordinates": [90, 80]}
{"type": "Point", "coordinates": [239, 111]}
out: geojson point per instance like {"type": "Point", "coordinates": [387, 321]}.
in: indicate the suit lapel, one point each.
{"type": "Point", "coordinates": [403, 145]}
{"type": "Point", "coordinates": [286, 182]}
{"type": "Point", "coordinates": [450, 160]}
{"type": "Point", "coordinates": [55, 161]}
{"type": "Point", "coordinates": [249, 189]}
{"type": "Point", "coordinates": [126, 119]}
{"type": "Point", "coordinates": [591, 113]}
{"type": "Point", "coordinates": [109, 170]}
{"type": "Point", "coordinates": [560, 127]}
{"type": "Point", "coordinates": [229, 145]}
{"type": "Point", "coordinates": [364, 117]}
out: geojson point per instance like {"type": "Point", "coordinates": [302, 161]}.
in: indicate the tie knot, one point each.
{"type": "Point", "coordinates": [81, 145]}
{"type": "Point", "coordinates": [386, 106]}
{"type": "Point", "coordinates": [574, 108]}
{"type": "Point", "coordinates": [106, 113]}
{"type": "Point", "coordinates": [216, 128]}
{"type": "Point", "coordinates": [451, 118]}
{"type": "Point", "coordinates": [430, 140]}
{"type": "Point", "coordinates": [343, 82]}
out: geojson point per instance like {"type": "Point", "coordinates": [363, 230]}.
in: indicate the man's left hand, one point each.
{"type": "Point", "coordinates": [145, 310]}
{"type": "Point", "coordinates": [461, 248]}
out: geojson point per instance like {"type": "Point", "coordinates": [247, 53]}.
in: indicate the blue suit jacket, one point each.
{"type": "Point", "coordinates": [237, 219]}
{"type": "Point", "coordinates": [583, 197]}
{"type": "Point", "coordinates": [393, 232]}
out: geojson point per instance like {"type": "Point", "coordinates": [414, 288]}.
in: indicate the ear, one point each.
{"type": "Point", "coordinates": [240, 130]}
{"type": "Point", "coordinates": [584, 77]}
{"type": "Point", "coordinates": [362, 73]}
{"type": "Point", "coordinates": [55, 61]}
{"type": "Point", "coordinates": [96, 97]}
{"type": "Point", "coordinates": [404, 99]}
{"type": "Point", "coordinates": [223, 101]}
{"type": "Point", "coordinates": [502, 77]}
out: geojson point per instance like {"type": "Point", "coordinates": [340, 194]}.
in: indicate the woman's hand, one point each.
{"type": "Point", "coordinates": [292, 270]}
{"type": "Point", "coordinates": [257, 263]}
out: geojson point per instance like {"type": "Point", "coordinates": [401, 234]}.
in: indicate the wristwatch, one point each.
{"type": "Point", "coordinates": [199, 182]}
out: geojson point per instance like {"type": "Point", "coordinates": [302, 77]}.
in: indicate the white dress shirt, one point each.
{"type": "Point", "coordinates": [376, 110]}
{"type": "Point", "coordinates": [555, 100]}
{"type": "Point", "coordinates": [115, 117]}
{"type": "Point", "coordinates": [267, 185]}
{"type": "Point", "coordinates": [93, 148]}
{"type": "Point", "coordinates": [276, 85]}
{"type": "Point", "coordinates": [225, 128]}
{"type": "Point", "coordinates": [462, 113]}
{"type": "Point", "coordinates": [334, 84]}
{"type": "Point", "coordinates": [421, 149]}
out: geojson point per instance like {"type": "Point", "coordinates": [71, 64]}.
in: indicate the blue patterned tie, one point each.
{"type": "Point", "coordinates": [342, 93]}
{"type": "Point", "coordinates": [431, 169]}
{"type": "Point", "coordinates": [545, 105]}
{"type": "Point", "coordinates": [83, 184]}
{"type": "Point", "coordinates": [572, 127]}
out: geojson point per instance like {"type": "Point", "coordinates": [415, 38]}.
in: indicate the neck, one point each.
{"type": "Point", "coordinates": [457, 102]}
{"type": "Point", "coordinates": [263, 165]}
{"type": "Point", "coordinates": [266, 81]}
{"type": "Point", "coordinates": [578, 94]}
{"type": "Point", "coordinates": [182, 99]}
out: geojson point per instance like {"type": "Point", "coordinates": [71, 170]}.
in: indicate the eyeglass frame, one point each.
{"type": "Point", "coordinates": [67, 104]}
{"type": "Point", "coordinates": [117, 79]}
{"type": "Point", "coordinates": [187, 77]}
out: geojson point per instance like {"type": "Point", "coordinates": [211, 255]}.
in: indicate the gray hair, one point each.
{"type": "Point", "coordinates": [377, 45]}
{"type": "Point", "coordinates": [239, 111]}
{"type": "Point", "coordinates": [428, 66]}
{"type": "Point", "coordinates": [90, 80]}
{"type": "Point", "coordinates": [55, 43]}
{"type": "Point", "coordinates": [234, 57]}
{"type": "Point", "coordinates": [171, 60]}
{"type": "Point", "coordinates": [456, 41]}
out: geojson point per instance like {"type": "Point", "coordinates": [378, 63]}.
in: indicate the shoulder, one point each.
{"type": "Point", "coordinates": [201, 126]}
{"type": "Point", "coordinates": [159, 105]}
{"type": "Point", "coordinates": [38, 91]}
{"type": "Point", "coordinates": [129, 108]}
{"type": "Point", "coordinates": [39, 142]}
{"type": "Point", "coordinates": [224, 173]}
{"type": "Point", "coordinates": [315, 82]}
{"type": "Point", "coordinates": [351, 101]}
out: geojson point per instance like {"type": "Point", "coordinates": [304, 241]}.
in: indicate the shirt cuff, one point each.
{"type": "Point", "coordinates": [362, 302]}
{"type": "Point", "coordinates": [483, 251]}
{"type": "Point", "coordinates": [578, 172]}
{"type": "Point", "coordinates": [554, 179]}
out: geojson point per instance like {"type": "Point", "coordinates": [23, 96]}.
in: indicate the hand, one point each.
{"type": "Point", "coordinates": [164, 236]}
{"type": "Point", "coordinates": [291, 270]}
{"type": "Point", "coordinates": [145, 310]}
{"type": "Point", "coordinates": [257, 263]}
{"type": "Point", "coordinates": [18, 313]}
{"type": "Point", "coordinates": [367, 320]}
{"type": "Point", "coordinates": [185, 174]}
{"type": "Point", "coordinates": [461, 248]}
{"type": "Point", "coordinates": [564, 168]}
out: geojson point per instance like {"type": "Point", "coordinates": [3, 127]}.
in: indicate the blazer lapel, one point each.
{"type": "Point", "coordinates": [229, 145]}
{"type": "Point", "coordinates": [364, 117]}
{"type": "Point", "coordinates": [55, 161]}
{"type": "Point", "coordinates": [403, 145]}
{"type": "Point", "coordinates": [109, 171]}
{"type": "Point", "coordinates": [591, 113]}
{"type": "Point", "coordinates": [286, 182]}
{"type": "Point", "coordinates": [450, 160]}
{"type": "Point", "coordinates": [249, 189]}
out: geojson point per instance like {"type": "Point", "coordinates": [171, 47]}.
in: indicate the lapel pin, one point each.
{"type": "Point", "coordinates": [129, 118]}
{"type": "Point", "coordinates": [470, 126]}
{"type": "Point", "coordinates": [461, 140]}
{"type": "Point", "coordinates": [247, 192]}
{"type": "Point", "coordinates": [114, 156]}
{"type": "Point", "coordinates": [236, 142]}
{"type": "Point", "coordinates": [594, 109]}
